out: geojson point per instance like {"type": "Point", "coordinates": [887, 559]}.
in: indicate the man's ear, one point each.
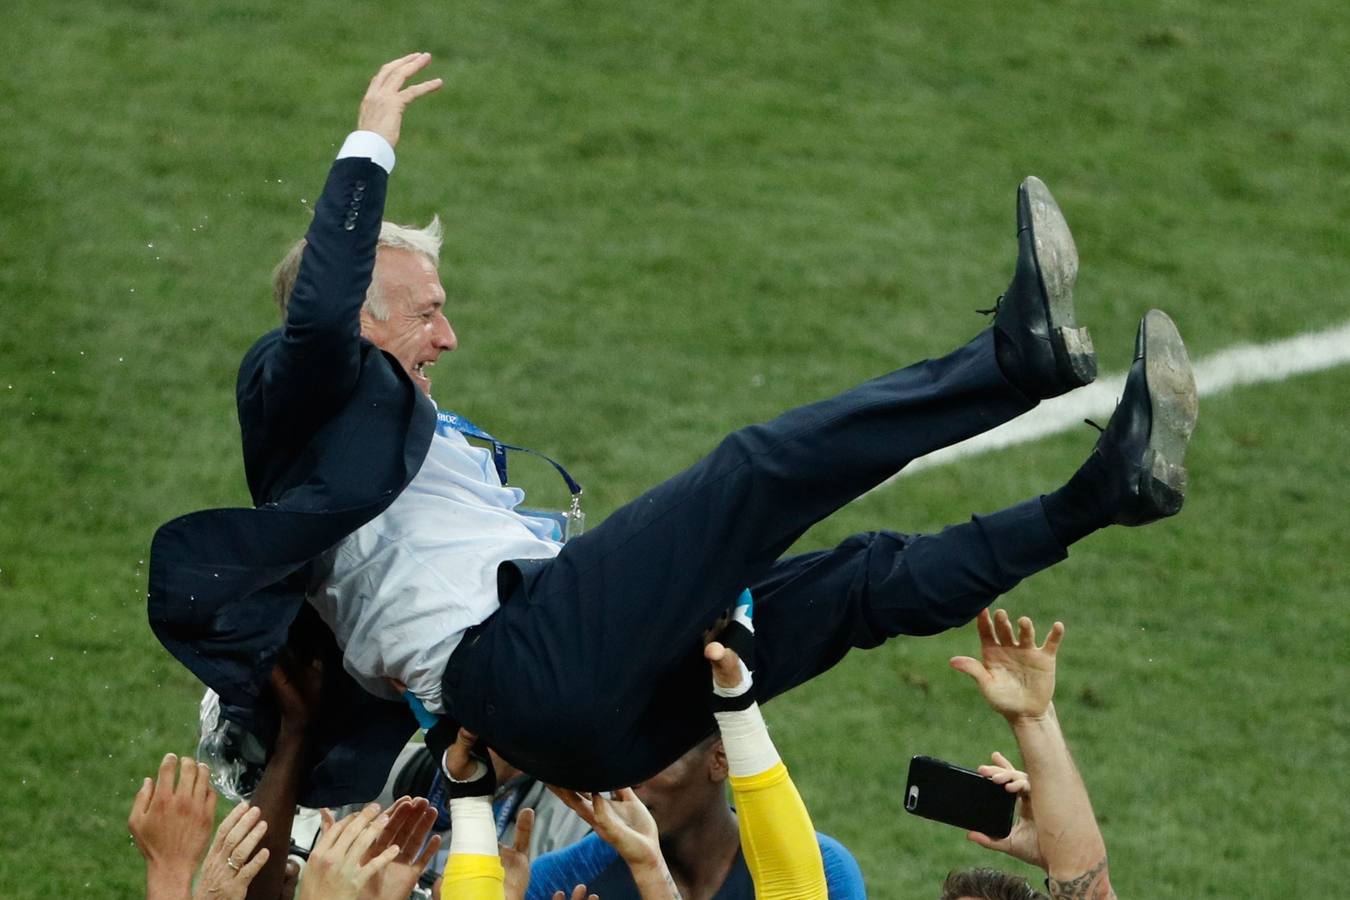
{"type": "Point", "coordinates": [718, 770]}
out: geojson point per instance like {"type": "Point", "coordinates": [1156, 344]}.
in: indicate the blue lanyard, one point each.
{"type": "Point", "coordinates": [456, 422]}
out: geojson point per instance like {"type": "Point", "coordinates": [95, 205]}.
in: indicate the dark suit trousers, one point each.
{"type": "Point", "coordinates": [591, 673]}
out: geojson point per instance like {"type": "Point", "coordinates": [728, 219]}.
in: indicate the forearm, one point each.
{"type": "Point", "coordinates": [1070, 840]}
{"type": "Point", "coordinates": [275, 797]}
{"type": "Point", "coordinates": [653, 880]}
{"type": "Point", "coordinates": [474, 870]}
{"type": "Point", "coordinates": [777, 837]}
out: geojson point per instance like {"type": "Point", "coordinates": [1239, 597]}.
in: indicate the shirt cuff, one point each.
{"type": "Point", "coordinates": [368, 145]}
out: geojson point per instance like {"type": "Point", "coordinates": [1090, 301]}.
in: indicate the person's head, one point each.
{"type": "Point", "coordinates": [987, 884]}
{"type": "Point", "coordinates": [404, 310]}
{"type": "Point", "coordinates": [687, 791]}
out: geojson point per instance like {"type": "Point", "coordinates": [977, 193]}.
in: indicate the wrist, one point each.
{"type": "Point", "coordinates": [168, 880]}
{"type": "Point", "coordinates": [1032, 720]}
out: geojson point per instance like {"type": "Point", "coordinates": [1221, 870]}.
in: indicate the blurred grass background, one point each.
{"type": "Point", "coordinates": [664, 222]}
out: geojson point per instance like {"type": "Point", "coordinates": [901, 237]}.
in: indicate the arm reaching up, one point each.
{"type": "Point", "coordinates": [1017, 679]}
{"type": "Point", "coordinates": [777, 837]}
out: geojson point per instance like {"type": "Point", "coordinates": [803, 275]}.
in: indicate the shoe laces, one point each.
{"type": "Point", "coordinates": [1100, 429]}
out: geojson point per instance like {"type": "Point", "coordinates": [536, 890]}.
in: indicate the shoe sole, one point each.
{"type": "Point", "coordinates": [1174, 407]}
{"type": "Point", "coordinates": [1056, 260]}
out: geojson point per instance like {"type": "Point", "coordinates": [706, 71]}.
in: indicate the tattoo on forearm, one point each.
{"type": "Point", "coordinates": [1091, 885]}
{"type": "Point", "coordinates": [674, 891]}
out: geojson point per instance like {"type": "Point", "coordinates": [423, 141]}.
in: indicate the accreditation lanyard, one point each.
{"type": "Point", "coordinates": [449, 421]}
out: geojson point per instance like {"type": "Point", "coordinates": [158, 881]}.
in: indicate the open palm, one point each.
{"type": "Point", "coordinates": [1016, 677]}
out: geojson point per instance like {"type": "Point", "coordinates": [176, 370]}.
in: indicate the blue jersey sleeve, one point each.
{"type": "Point", "coordinates": [563, 869]}
{"type": "Point", "coordinates": [843, 878]}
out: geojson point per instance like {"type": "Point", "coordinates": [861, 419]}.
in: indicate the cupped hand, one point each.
{"type": "Point", "coordinates": [386, 98]}
{"type": "Point", "coordinates": [1023, 842]}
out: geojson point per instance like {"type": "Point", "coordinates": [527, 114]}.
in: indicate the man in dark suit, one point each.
{"type": "Point", "coordinates": [390, 546]}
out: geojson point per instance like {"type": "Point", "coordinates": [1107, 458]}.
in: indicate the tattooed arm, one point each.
{"type": "Point", "coordinates": [1017, 679]}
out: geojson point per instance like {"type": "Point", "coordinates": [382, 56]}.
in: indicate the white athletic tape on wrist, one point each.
{"type": "Point", "coordinates": [472, 828]}
{"type": "Point", "coordinates": [746, 740]}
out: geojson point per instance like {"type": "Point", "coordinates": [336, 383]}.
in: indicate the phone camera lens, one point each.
{"type": "Point", "coordinates": [912, 798]}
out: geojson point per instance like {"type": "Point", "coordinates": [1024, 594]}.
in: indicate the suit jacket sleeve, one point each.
{"type": "Point", "coordinates": [311, 371]}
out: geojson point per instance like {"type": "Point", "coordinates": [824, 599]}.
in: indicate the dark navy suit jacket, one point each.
{"type": "Point", "coordinates": [333, 430]}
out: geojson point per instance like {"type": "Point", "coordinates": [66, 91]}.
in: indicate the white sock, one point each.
{"type": "Point", "coordinates": [472, 827]}
{"type": "Point", "coordinates": [745, 737]}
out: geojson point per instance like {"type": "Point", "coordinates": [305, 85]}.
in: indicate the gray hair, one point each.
{"type": "Point", "coordinates": [426, 241]}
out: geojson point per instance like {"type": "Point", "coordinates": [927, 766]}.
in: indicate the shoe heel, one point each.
{"type": "Point", "coordinates": [1164, 483]}
{"type": "Point", "coordinates": [1075, 356]}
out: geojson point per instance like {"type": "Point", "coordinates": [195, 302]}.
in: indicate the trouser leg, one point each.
{"type": "Point", "coordinates": [590, 632]}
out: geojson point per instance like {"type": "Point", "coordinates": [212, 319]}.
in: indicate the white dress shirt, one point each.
{"type": "Point", "coordinates": [403, 588]}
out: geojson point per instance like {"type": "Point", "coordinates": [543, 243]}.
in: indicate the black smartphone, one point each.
{"type": "Point", "coordinates": [946, 793]}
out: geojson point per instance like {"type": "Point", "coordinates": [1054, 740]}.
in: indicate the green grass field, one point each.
{"type": "Point", "coordinates": [664, 222]}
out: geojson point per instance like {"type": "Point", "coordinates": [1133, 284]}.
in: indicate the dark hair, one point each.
{"type": "Point", "coordinates": [989, 884]}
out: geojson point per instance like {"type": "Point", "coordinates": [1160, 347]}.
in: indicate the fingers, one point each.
{"type": "Point", "coordinates": [985, 627]}
{"type": "Point", "coordinates": [1001, 760]}
{"type": "Point", "coordinates": [575, 802]}
{"type": "Point", "coordinates": [457, 758]}
{"type": "Point", "coordinates": [409, 94]}
{"type": "Point", "coordinates": [1003, 628]}
{"type": "Point", "coordinates": [1026, 633]}
{"type": "Point", "coordinates": [579, 892]}
{"type": "Point", "coordinates": [726, 664]}
{"type": "Point", "coordinates": [164, 779]}
{"type": "Point", "coordinates": [367, 833]}
{"type": "Point", "coordinates": [972, 667]}
{"type": "Point", "coordinates": [402, 69]}
{"type": "Point", "coordinates": [244, 848]}
{"type": "Point", "coordinates": [428, 852]}
{"type": "Point", "coordinates": [388, 69]}
{"type": "Point", "coordinates": [141, 803]}
{"type": "Point", "coordinates": [225, 833]}
{"type": "Point", "coordinates": [413, 837]}
{"type": "Point", "coordinates": [1053, 638]}
{"type": "Point", "coordinates": [983, 840]}
{"type": "Point", "coordinates": [254, 865]}
{"type": "Point", "coordinates": [376, 865]}
{"type": "Point", "coordinates": [524, 828]}
{"type": "Point", "coordinates": [187, 776]}
{"type": "Point", "coordinates": [203, 792]}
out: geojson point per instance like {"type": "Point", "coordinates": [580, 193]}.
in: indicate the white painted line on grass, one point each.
{"type": "Point", "coordinates": [1236, 366]}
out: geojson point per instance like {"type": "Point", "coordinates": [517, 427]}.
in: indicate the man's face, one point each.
{"type": "Point", "coordinates": [681, 793]}
{"type": "Point", "coordinates": [417, 331]}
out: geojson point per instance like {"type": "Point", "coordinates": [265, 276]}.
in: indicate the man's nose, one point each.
{"type": "Point", "coordinates": [445, 337]}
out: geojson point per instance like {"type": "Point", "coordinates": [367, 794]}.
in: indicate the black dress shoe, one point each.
{"type": "Point", "coordinates": [1051, 354]}
{"type": "Point", "coordinates": [1145, 442]}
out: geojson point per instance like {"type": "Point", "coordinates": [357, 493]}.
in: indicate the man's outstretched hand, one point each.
{"type": "Point", "coordinates": [386, 98]}
{"type": "Point", "coordinates": [1016, 677]}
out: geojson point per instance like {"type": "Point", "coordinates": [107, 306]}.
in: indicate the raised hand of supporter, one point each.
{"type": "Point", "coordinates": [338, 868]}
{"type": "Point", "coordinates": [623, 822]}
{"type": "Point", "coordinates": [1022, 842]}
{"type": "Point", "coordinates": [1016, 677]}
{"type": "Point", "coordinates": [386, 98]}
{"type": "Point", "coordinates": [410, 824]}
{"type": "Point", "coordinates": [171, 825]}
{"type": "Point", "coordinates": [516, 858]}
{"type": "Point", "coordinates": [231, 863]}
{"type": "Point", "coordinates": [298, 687]}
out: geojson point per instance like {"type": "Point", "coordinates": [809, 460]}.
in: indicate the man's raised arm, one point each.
{"type": "Point", "coordinates": [1017, 679]}
{"type": "Point", "coordinates": [316, 363]}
